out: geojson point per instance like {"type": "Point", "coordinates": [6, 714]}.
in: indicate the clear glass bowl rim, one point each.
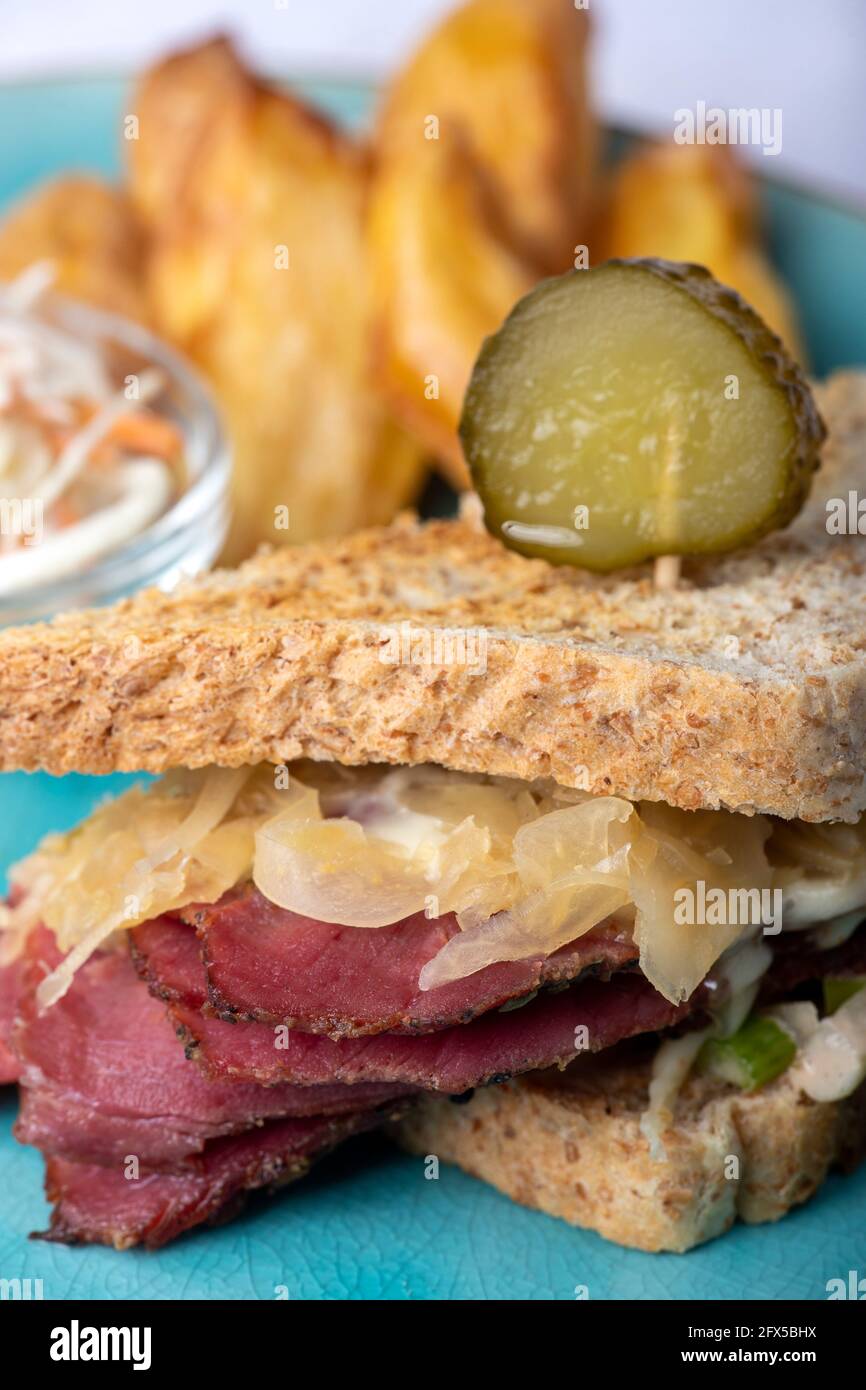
{"type": "Point", "coordinates": [124, 568]}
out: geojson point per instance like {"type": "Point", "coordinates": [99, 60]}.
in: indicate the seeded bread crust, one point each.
{"type": "Point", "coordinates": [744, 688]}
{"type": "Point", "coordinates": [569, 1144]}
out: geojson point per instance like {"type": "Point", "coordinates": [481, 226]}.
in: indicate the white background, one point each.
{"type": "Point", "coordinates": [651, 56]}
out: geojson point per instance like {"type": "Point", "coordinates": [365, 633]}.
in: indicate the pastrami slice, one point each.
{"type": "Point", "coordinates": [269, 965]}
{"type": "Point", "coordinates": [96, 1205]}
{"type": "Point", "coordinates": [10, 987]}
{"type": "Point", "coordinates": [103, 1076]}
{"type": "Point", "coordinates": [552, 1030]}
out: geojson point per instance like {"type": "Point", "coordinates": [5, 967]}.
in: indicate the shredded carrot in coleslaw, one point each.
{"type": "Point", "coordinates": [87, 460]}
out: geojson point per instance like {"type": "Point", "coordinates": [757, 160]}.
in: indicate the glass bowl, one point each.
{"type": "Point", "coordinates": [189, 535]}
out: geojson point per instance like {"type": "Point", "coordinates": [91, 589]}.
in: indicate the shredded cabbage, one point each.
{"type": "Point", "coordinates": [821, 870]}
{"type": "Point", "coordinates": [526, 867]}
{"type": "Point", "coordinates": [570, 872]}
{"type": "Point", "coordinates": [186, 838]}
{"type": "Point", "coordinates": [717, 848]}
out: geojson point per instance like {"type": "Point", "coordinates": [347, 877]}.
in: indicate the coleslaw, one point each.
{"type": "Point", "coordinates": [87, 460]}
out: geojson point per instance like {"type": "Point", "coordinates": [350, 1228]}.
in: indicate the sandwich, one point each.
{"type": "Point", "coordinates": [422, 809]}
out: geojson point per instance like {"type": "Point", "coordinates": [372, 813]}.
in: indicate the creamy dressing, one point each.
{"type": "Point", "coordinates": [737, 978]}
{"type": "Point", "coordinates": [799, 1018]}
{"type": "Point", "coordinates": [145, 490]}
{"type": "Point", "coordinates": [737, 975]}
{"type": "Point", "coordinates": [61, 508]}
{"type": "Point", "coordinates": [831, 1064]}
{"type": "Point", "coordinates": [671, 1066]}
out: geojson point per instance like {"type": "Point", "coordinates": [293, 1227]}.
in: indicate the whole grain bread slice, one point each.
{"type": "Point", "coordinates": [569, 1143]}
{"type": "Point", "coordinates": [744, 688]}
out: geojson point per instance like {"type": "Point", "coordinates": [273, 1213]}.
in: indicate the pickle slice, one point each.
{"type": "Point", "coordinates": [634, 410]}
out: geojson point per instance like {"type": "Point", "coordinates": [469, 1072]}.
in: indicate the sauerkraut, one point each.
{"type": "Point", "coordinates": [526, 867]}
{"type": "Point", "coordinates": [821, 870]}
{"type": "Point", "coordinates": [186, 838]}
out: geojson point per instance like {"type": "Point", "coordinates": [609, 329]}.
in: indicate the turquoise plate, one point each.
{"type": "Point", "coordinates": [368, 1224]}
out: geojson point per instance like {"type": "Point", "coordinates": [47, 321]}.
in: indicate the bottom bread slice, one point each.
{"type": "Point", "coordinates": [569, 1143]}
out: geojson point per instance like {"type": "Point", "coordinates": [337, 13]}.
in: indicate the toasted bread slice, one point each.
{"type": "Point", "coordinates": [744, 688]}
{"type": "Point", "coordinates": [569, 1143]}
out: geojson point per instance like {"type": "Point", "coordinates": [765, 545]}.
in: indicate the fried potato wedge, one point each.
{"type": "Point", "coordinates": [444, 275]}
{"type": "Point", "coordinates": [485, 153]}
{"type": "Point", "coordinates": [748, 270]}
{"type": "Point", "coordinates": [88, 229]}
{"type": "Point", "coordinates": [176, 103]}
{"type": "Point", "coordinates": [511, 74]}
{"type": "Point", "coordinates": [697, 203]}
{"type": "Point", "coordinates": [255, 207]}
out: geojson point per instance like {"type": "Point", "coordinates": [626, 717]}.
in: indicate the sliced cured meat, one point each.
{"type": "Point", "coordinates": [93, 1205]}
{"type": "Point", "coordinates": [105, 1078]}
{"type": "Point", "coordinates": [266, 964]}
{"type": "Point", "coordinates": [59, 1122]}
{"type": "Point", "coordinates": [539, 1034]}
{"type": "Point", "coordinates": [167, 956]}
{"type": "Point", "coordinates": [10, 988]}
{"type": "Point", "coordinates": [543, 1033]}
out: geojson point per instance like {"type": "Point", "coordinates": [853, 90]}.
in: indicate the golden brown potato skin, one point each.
{"type": "Point", "coordinates": [255, 209]}
{"type": "Point", "coordinates": [485, 156]}
{"type": "Point", "coordinates": [323, 292]}
{"type": "Point", "coordinates": [697, 203]}
{"type": "Point", "coordinates": [511, 76]}
{"type": "Point", "coordinates": [176, 102]}
{"type": "Point", "coordinates": [89, 230]}
{"type": "Point", "coordinates": [444, 276]}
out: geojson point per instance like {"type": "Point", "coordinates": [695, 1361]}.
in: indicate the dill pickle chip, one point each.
{"type": "Point", "coordinates": [634, 410]}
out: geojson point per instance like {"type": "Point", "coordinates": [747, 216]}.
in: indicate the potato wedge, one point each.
{"type": "Point", "coordinates": [176, 103]}
{"type": "Point", "coordinates": [89, 230]}
{"type": "Point", "coordinates": [697, 203]}
{"type": "Point", "coordinates": [748, 270]}
{"type": "Point", "coordinates": [485, 156]}
{"type": "Point", "coordinates": [511, 74]}
{"type": "Point", "coordinates": [691, 197]}
{"type": "Point", "coordinates": [257, 272]}
{"type": "Point", "coordinates": [444, 275]}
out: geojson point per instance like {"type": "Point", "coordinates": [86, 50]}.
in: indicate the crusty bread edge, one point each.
{"type": "Point", "coordinates": [86, 698]}
{"type": "Point", "coordinates": [217, 673]}
{"type": "Point", "coordinates": [580, 1156]}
